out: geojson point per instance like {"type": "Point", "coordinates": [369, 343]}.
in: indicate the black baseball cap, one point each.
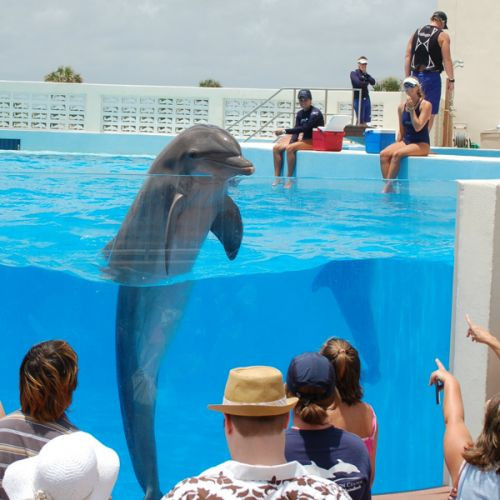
{"type": "Point", "coordinates": [439, 14]}
{"type": "Point", "coordinates": [311, 369]}
{"type": "Point", "coordinates": [304, 94]}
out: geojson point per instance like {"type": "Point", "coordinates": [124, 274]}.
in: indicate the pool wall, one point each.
{"type": "Point", "coordinates": [477, 293]}
{"type": "Point", "coordinates": [443, 164]}
{"type": "Point", "coordinates": [246, 320]}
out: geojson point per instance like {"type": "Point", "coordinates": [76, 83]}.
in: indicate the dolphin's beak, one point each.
{"type": "Point", "coordinates": [240, 165]}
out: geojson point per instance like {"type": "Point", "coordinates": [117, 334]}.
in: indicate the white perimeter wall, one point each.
{"type": "Point", "coordinates": [166, 110]}
{"type": "Point", "coordinates": [474, 28]}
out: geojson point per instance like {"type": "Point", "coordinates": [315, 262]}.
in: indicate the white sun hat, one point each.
{"type": "Point", "coordinates": [73, 466]}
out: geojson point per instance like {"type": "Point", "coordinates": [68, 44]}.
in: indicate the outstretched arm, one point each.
{"type": "Point", "coordinates": [456, 434]}
{"type": "Point", "coordinates": [478, 334]}
{"type": "Point", "coordinates": [2, 412]}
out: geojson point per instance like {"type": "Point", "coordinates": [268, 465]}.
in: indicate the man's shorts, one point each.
{"type": "Point", "coordinates": [431, 85]}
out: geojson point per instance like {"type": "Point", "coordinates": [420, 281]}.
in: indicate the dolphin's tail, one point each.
{"type": "Point", "coordinates": [145, 320]}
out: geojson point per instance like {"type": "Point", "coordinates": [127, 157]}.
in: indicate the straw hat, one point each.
{"type": "Point", "coordinates": [73, 466]}
{"type": "Point", "coordinates": [255, 391]}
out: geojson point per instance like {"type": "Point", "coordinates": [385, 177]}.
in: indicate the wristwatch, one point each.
{"type": "Point", "coordinates": [451, 80]}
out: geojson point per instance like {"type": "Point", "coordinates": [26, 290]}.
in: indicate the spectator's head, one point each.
{"type": "Point", "coordinates": [254, 403]}
{"type": "Point", "coordinates": [311, 378]}
{"type": "Point", "coordinates": [362, 63]}
{"type": "Point", "coordinates": [412, 86]}
{"type": "Point", "coordinates": [47, 379]}
{"type": "Point", "coordinates": [75, 466]}
{"type": "Point", "coordinates": [305, 98]}
{"type": "Point", "coordinates": [345, 360]}
{"type": "Point", "coordinates": [485, 453]}
{"type": "Point", "coordinates": [440, 19]}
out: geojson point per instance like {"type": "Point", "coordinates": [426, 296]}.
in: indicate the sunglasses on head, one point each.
{"type": "Point", "coordinates": [409, 85]}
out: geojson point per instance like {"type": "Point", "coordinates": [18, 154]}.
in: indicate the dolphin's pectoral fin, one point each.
{"type": "Point", "coordinates": [228, 227]}
{"type": "Point", "coordinates": [175, 210]}
{"type": "Point", "coordinates": [106, 251]}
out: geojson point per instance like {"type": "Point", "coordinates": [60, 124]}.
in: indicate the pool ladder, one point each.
{"type": "Point", "coordinates": [292, 113]}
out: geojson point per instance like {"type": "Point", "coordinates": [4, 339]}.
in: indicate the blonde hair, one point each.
{"type": "Point", "coordinates": [345, 359]}
{"type": "Point", "coordinates": [47, 379]}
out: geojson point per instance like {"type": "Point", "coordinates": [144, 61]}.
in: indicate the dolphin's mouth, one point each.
{"type": "Point", "coordinates": [240, 165]}
{"type": "Point", "coordinates": [236, 164]}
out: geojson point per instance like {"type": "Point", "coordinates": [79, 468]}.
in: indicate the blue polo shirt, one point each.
{"type": "Point", "coordinates": [341, 453]}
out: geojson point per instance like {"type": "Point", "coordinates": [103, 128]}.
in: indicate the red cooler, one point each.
{"type": "Point", "coordinates": [327, 141]}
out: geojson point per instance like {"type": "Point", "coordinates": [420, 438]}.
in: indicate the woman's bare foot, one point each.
{"type": "Point", "coordinates": [276, 181]}
{"type": "Point", "coordinates": [388, 188]}
{"type": "Point", "coordinates": [288, 184]}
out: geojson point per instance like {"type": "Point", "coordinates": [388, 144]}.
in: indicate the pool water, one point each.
{"type": "Point", "coordinates": [328, 258]}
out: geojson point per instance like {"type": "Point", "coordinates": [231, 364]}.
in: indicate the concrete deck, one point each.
{"type": "Point", "coordinates": [441, 493]}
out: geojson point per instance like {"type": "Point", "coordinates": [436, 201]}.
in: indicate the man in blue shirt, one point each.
{"type": "Point", "coordinates": [360, 79]}
{"type": "Point", "coordinates": [297, 138]}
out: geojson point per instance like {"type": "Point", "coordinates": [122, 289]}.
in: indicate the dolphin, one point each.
{"type": "Point", "coordinates": [183, 198]}
{"type": "Point", "coordinates": [355, 303]}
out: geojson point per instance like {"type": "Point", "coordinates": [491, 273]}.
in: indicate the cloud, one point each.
{"type": "Point", "coordinates": [258, 43]}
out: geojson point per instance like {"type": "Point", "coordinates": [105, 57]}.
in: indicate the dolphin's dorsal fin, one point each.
{"type": "Point", "coordinates": [228, 227]}
{"type": "Point", "coordinates": [175, 209]}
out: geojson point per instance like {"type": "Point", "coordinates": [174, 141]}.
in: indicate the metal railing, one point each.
{"type": "Point", "coordinates": [354, 119]}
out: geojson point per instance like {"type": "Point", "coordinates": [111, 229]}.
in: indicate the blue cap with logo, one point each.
{"type": "Point", "coordinates": [311, 369]}
{"type": "Point", "coordinates": [304, 94]}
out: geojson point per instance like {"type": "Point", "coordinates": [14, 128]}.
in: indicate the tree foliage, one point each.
{"type": "Point", "coordinates": [389, 84]}
{"type": "Point", "coordinates": [209, 82]}
{"type": "Point", "coordinates": [64, 74]}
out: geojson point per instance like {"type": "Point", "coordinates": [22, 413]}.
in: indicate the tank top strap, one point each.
{"type": "Point", "coordinates": [374, 421]}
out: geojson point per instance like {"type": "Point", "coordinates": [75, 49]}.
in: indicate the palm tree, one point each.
{"type": "Point", "coordinates": [64, 74]}
{"type": "Point", "coordinates": [209, 82]}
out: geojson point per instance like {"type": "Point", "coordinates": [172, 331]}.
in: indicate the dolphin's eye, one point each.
{"type": "Point", "coordinates": [193, 155]}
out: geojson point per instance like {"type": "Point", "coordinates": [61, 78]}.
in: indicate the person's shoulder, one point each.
{"type": "Point", "coordinates": [321, 486]}
{"type": "Point", "coordinates": [315, 111]}
{"type": "Point", "coordinates": [425, 104]}
{"type": "Point", "coordinates": [11, 419]}
{"type": "Point", "coordinates": [189, 487]}
{"type": "Point", "coordinates": [353, 441]}
{"type": "Point", "coordinates": [443, 36]}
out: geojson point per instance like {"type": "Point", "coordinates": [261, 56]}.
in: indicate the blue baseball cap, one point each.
{"type": "Point", "coordinates": [311, 369]}
{"type": "Point", "coordinates": [304, 94]}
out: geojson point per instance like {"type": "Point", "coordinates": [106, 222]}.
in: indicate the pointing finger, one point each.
{"type": "Point", "coordinates": [469, 322]}
{"type": "Point", "coordinates": [439, 364]}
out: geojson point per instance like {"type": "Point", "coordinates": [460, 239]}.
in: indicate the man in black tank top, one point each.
{"type": "Point", "coordinates": [427, 55]}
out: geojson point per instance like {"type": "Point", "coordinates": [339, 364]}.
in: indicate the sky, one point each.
{"type": "Point", "coordinates": [253, 43]}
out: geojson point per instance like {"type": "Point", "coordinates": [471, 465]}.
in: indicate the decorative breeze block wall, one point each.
{"type": "Point", "coordinates": [54, 111]}
{"type": "Point", "coordinates": [151, 115]}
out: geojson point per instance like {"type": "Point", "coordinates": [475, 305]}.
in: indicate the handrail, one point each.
{"type": "Point", "coordinates": [295, 89]}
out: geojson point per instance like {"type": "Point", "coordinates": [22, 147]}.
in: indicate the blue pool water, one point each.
{"type": "Point", "coordinates": [328, 258]}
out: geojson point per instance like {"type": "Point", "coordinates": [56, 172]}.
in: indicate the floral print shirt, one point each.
{"type": "Point", "coordinates": [229, 480]}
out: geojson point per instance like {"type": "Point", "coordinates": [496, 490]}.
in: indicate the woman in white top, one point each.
{"type": "Point", "coordinates": [474, 467]}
